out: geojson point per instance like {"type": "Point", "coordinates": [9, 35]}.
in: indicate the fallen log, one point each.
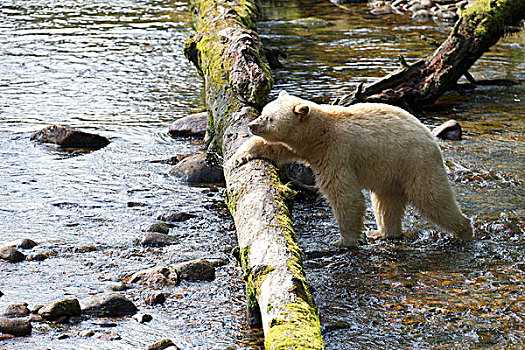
{"type": "Point", "coordinates": [413, 86]}
{"type": "Point", "coordinates": [228, 54]}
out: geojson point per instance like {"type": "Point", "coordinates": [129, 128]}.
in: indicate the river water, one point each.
{"type": "Point", "coordinates": [116, 68]}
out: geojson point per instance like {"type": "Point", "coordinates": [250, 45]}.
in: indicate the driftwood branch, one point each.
{"type": "Point", "coordinates": [227, 53]}
{"type": "Point", "coordinates": [413, 86]}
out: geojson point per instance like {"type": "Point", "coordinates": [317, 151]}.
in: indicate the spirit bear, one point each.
{"type": "Point", "coordinates": [371, 146]}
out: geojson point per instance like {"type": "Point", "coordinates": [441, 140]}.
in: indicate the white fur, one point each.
{"type": "Point", "coordinates": [366, 146]}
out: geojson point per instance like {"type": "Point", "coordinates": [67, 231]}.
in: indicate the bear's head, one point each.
{"type": "Point", "coordinates": [282, 119]}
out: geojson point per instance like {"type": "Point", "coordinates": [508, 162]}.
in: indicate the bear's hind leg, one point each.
{"type": "Point", "coordinates": [388, 210]}
{"type": "Point", "coordinates": [437, 204]}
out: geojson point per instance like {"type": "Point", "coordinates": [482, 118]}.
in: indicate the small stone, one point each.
{"type": "Point", "coordinates": [63, 336]}
{"type": "Point", "coordinates": [193, 125]}
{"type": "Point", "coordinates": [15, 310]}
{"type": "Point", "coordinates": [87, 333]}
{"type": "Point", "coordinates": [120, 288]}
{"type": "Point", "coordinates": [12, 254]}
{"type": "Point", "coordinates": [104, 323]}
{"type": "Point", "coordinates": [157, 276]}
{"type": "Point", "coordinates": [177, 217]}
{"type": "Point", "coordinates": [196, 270]}
{"type": "Point", "coordinates": [108, 336]}
{"type": "Point", "coordinates": [143, 318]}
{"type": "Point", "coordinates": [450, 130]}
{"type": "Point", "coordinates": [69, 138]}
{"type": "Point", "coordinates": [421, 15]}
{"type": "Point", "coordinates": [155, 299]}
{"type": "Point", "coordinates": [15, 326]}
{"type": "Point", "coordinates": [36, 308]}
{"type": "Point", "coordinates": [109, 304]}
{"type": "Point", "coordinates": [159, 227]}
{"type": "Point", "coordinates": [38, 257]}
{"type": "Point", "coordinates": [37, 318]}
{"type": "Point", "coordinates": [26, 244]}
{"type": "Point", "coordinates": [61, 310]}
{"type": "Point", "coordinates": [1, 293]}
{"type": "Point", "coordinates": [195, 171]}
{"type": "Point", "coordinates": [154, 239]}
{"type": "Point", "coordinates": [162, 345]}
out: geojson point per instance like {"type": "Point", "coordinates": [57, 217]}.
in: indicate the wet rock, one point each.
{"type": "Point", "coordinates": [155, 299]}
{"type": "Point", "coordinates": [109, 304]}
{"type": "Point", "coordinates": [143, 318]}
{"type": "Point", "coordinates": [63, 336]}
{"type": "Point", "coordinates": [61, 310]}
{"type": "Point", "coordinates": [1, 293]}
{"type": "Point", "coordinates": [382, 10]}
{"type": "Point", "coordinates": [11, 254]}
{"type": "Point", "coordinates": [108, 336]}
{"type": "Point", "coordinates": [87, 333]}
{"type": "Point", "coordinates": [159, 227]}
{"type": "Point", "coordinates": [193, 125]}
{"type": "Point", "coordinates": [450, 130]}
{"type": "Point", "coordinates": [120, 288]}
{"type": "Point", "coordinates": [196, 270]}
{"type": "Point", "coordinates": [335, 326]}
{"type": "Point", "coordinates": [421, 15]}
{"type": "Point", "coordinates": [154, 239]}
{"type": "Point", "coordinates": [26, 243]}
{"type": "Point", "coordinates": [301, 176]}
{"type": "Point", "coordinates": [15, 310]}
{"type": "Point", "coordinates": [162, 345]}
{"type": "Point", "coordinates": [157, 276]}
{"type": "Point", "coordinates": [177, 217]}
{"type": "Point", "coordinates": [15, 326]}
{"type": "Point", "coordinates": [38, 257]}
{"type": "Point", "coordinates": [195, 171]}
{"type": "Point", "coordinates": [37, 318]}
{"type": "Point", "coordinates": [69, 138]}
{"type": "Point", "coordinates": [36, 308]}
{"type": "Point", "coordinates": [104, 323]}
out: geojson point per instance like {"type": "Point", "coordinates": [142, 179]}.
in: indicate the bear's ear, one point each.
{"type": "Point", "coordinates": [283, 93]}
{"type": "Point", "coordinates": [301, 111]}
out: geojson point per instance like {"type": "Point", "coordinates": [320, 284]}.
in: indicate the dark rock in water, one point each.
{"type": "Point", "coordinates": [1, 293]}
{"type": "Point", "coordinates": [193, 125]}
{"type": "Point", "coordinates": [157, 276]}
{"type": "Point", "coordinates": [15, 310]}
{"type": "Point", "coordinates": [38, 257]}
{"type": "Point", "coordinates": [155, 299]}
{"type": "Point", "coordinates": [300, 175]}
{"type": "Point", "coordinates": [36, 308]}
{"type": "Point", "coordinates": [104, 323]}
{"type": "Point", "coordinates": [143, 318]}
{"type": "Point", "coordinates": [154, 239]}
{"type": "Point", "coordinates": [60, 310]}
{"type": "Point", "coordinates": [15, 326]}
{"type": "Point", "coordinates": [195, 171]}
{"type": "Point", "coordinates": [196, 270]}
{"type": "Point", "coordinates": [162, 344]}
{"type": "Point", "coordinates": [26, 244]}
{"type": "Point", "coordinates": [177, 217]}
{"type": "Point", "coordinates": [11, 254]}
{"type": "Point", "coordinates": [159, 227]}
{"type": "Point", "coordinates": [450, 130]}
{"type": "Point", "coordinates": [69, 138]}
{"type": "Point", "coordinates": [108, 305]}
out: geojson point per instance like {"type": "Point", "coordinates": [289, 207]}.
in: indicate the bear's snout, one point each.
{"type": "Point", "coordinates": [251, 127]}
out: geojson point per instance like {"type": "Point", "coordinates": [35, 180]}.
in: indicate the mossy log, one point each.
{"type": "Point", "coordinates": [413, 86]}
{"type": "Point", "coordinates": [228, 54]}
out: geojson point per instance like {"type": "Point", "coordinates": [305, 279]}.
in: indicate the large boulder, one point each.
{"type": "Point", "coordinates": [450, 130]}
{"type": "Point", "coordinates": [196, 171]}
{"type": "Point", "coordinates": [60, 309]}
{"type": "Point", "coordinates": [68, 138]}
{"type": "Point", "coordinates": [108, 305]}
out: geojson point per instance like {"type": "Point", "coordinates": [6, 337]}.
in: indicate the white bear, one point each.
{"type": "Point", "coordinates": [371, 146]}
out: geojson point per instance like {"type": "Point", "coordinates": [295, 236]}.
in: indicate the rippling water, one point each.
{"type": "Point", "coordinates": [116, 68]}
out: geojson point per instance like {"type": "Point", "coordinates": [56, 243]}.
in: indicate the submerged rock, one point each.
{"type": "Point", "coordinates": [177, 217]}
{"type": "Point", "coordinates": [11, 254]}
{"type": "Point", "coordinates": [15, 326]}
{"type": "Point", "coordinates": [154, 239]}
{"type": "Point", "coordinates": [159, 227]}
{"type": "Point", "coordinates": [60, 310]}
{"type": "Point", "coordinates": [195, 171]}
{"type": "Point", "coordinates": [193, 125]}
{"type": "Point", "coordinates": [196, 270]}
{"type": "Point", "coordinates": [157, 276]}
{"type": "Point", "coordinates": [450, 130]}
{"type": "Point", "coordinates": [26, 243]}
{"type": "Point", "coordinates": [162, 344]}
{"type": "Point", "coordinates": [109, 304]}
{"type": "Point", "coordinates": [143, 318]}
{"type": "Point", "coordinates": [68, 138]}
{"type": "Point", "coordinates": [15, 310]}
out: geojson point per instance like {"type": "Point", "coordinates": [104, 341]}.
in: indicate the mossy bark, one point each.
{"type": "Point", "coordinates": [480, 26]}
{"type": "Point", "coordinates": [227, 53]}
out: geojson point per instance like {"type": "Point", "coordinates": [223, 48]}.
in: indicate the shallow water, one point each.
{"type": "Point", "coordinates": [116, 68]}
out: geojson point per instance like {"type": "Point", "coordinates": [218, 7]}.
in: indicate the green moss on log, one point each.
{"type": "Point", "coordinates": [489, 17]}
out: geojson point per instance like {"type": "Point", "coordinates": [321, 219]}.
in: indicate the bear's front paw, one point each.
{"type": "Point", "coordinates": [240, 159]}
{"type": "Point", "coordinates": [345, 242]}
